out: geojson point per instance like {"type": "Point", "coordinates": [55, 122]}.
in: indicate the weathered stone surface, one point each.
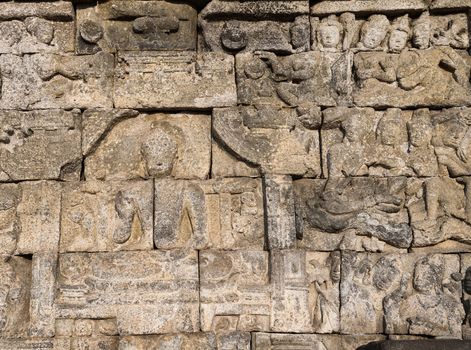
{"type": "Point", "coordinates": [348, 31]}
{"type": "Point", "coordinates": [183, 80]}
{"type": "Point", "coordinates": [30, 211]}
{"type": "Point", "coordinates": [305, 295]}
{"type": "Point", "coordinates": [26, 344]}
{"type": "Point", "coordinates": [394, 142]}
{"type": "Point", "coordinates": [266, 136]}
{"type": "Point", "coordinates": [119, 25]}
{"type": "Point", "coordinates": [15, 289]}
{"type": "Point", "coordinates": [352, 214]}
{"type": "Point", "coordinates": [44, 270]}
{"type": "Point", "coordinates": [302, 81]}
{"type": "Point", "coordinates": [149, 146]}
{"type": "Point", "coordinates": [417, 294]}
{"type": "Point", "coordinates": [367, 6]}
{"type": "Point", "coordinates": [147, 291]}
{"type": "Point", "coordinates": [273, 341]}
{"type": "Point", "coordinates": [436, 77]}
{"type": "Point", "coordinates": [46, 81]}
{"type": "Point", "coordinates": [218, 214]}
{"type": "Point", "coordinates": [280, 212]}
{"type": "Point", "coordinates": [86, 334]}
{"type": "Point", "coordinates": [234, 291]}
{"type": "Point", "coordinates": [450, 4]}
{"type": "Point", "coordinates": [188, 341]}
{"type": "Point", "coordinates": [225, 164]}
{"type": "Point", "coordinates": [439, 213]}
{"type": "Point", "coordinates": [106, 216]}
{"type": "Point", "coordinates": [36, 27]}
{"type": "Point", "coordinates": [246, 26]}
{"type": "Point", "coordinates": [39, 145]}
{"type": "Point", "coordinates": [466, 275]}
{"type": "Point", "coordinates": [418, 345]}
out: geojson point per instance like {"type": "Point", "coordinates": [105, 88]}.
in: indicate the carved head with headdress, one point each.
{"type": "Point", "coordinates": [399, 34]}
{"type": "Point", "coordinates": [329, 32]}
{"type": "Point", "coordinates": [373, 31]}
{"type": "Point", "coordinates": [421, 31]}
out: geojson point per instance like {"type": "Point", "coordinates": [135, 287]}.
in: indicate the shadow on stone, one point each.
{"type": "Point", "coordinates": [418, 345]}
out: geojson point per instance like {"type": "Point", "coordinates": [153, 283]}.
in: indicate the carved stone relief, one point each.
{"type": "Point", "coordinates": [135, 26]}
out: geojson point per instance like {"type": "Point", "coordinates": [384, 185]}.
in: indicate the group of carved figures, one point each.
{"type": "Point", "coordinates": [377, 32]}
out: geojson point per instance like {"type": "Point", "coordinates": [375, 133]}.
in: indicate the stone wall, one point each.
{"type": "Point", "coordinates": [234, 175]}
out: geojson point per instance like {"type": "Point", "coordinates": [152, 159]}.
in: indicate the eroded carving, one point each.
{"type": "Point", "coordinates": [101, 216]}
{"type": "Point", "coordinates": [235, 284]}
{"type": "Point", "coordinates": [419, 294]}
{"type": "Point", "coordinates": [138, 26]}
{"type": "Point", "coordinates": [266, 136]}
{"type": "Point", "coordinates": [183, 80]}
{"type": "Point", "coordinates": [152, 146]}
{"type": "Point", "coordinates": [103, 285]}
{"type": "Point", "coordinates": [223, 29]}
{"type": "Point", "coordinates": [305, 293]}
{"type": "Point", "coordinates": [223, 214]}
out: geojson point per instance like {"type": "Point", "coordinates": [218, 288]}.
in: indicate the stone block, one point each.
{"type": "Point", "coordinates": [183, 80]}
{"type": "Point", "coordinates": [15, 291]}
{"type": "Point", "coordinates": [217, 214]}
{"type": "Point", "coordinates": [184, 341]}
{"type": "Point", "coordinates": [363, 213]}
{"type": "Point", "coordinates": [47, 81]}
{"type": "Point", "coordinates": [418, 345]}
{"type": "Point", "coordinates": [148, 146]}
{"type": "Point", "coordinates": [273, 341]}
{"type": "Point", "coordinates": [437, 78]}
{"type": "Point", "coordinates": [86, 333]}
{"type": "Point", "coordinates": [301, 81]}
{"type": "Point", "coordinates": [367, 6]}
{"type": "Point", "coordinates": [36, 27]}
{"type": "Point", "coordinates": [232, 26]}
{"type": "Point", "coordinates": [31, 212]}
{"type": "Point", "coordinates": [119, 25]}
{"type": "Point", "coordinates": [148, 292]}
{"type": "Point", "coordinates": [107, 216]}
{"type": "Point", "coordinates": [225, 164]}
{"type": "Point", "coordinates": [466, 275]}
{"type": "Point", "coordinates": [42, 312]}
{"type": "Point", "coordinates": [234, 290]}
{"type": "Point", "coordinates": [305, 291]}
{"type": "Point", "coordinates": [275, 139]}
{"type": "Point", "coordinates": [39, 145]}
{"type": "Point", "coordinates": [416, 294]}
{"type": "Point", "coordinates": [280, 212]}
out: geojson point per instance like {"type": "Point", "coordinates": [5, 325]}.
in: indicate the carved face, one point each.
{"type": "Point", "coordinates": [373, 37]}
{"type": "Point", "coordinates": [329, 36]}
{"type": "Point", "coordinates": [397, 40]}
{"type": "Point", "coordinates": [159, 151]}
{"type": "Point", "coordinates": [421, 36]}
{"type": "Point", "coordinates": [386, 272]}
{"type": "Point", "coordinates": [353, 129]}
{"type": "Point", "coordinates": [335, 266]}
{"type": "Point", "coordinates": [233, 38]}
{"type": "Point", "coordinates": [420, 131]}
{"type": "Point", "coordinates": [426, 278]}
{"type": "Point", "coordinates": [453, 134]}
